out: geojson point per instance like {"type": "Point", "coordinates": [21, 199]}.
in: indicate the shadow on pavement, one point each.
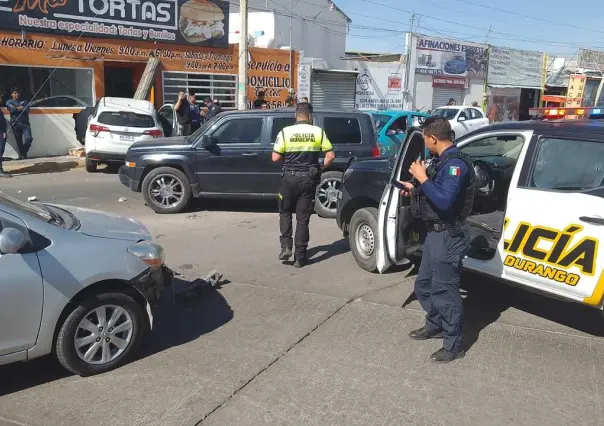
{"type": "Point", "coordinates": [42, 167]}
{"type": "Point", "coordinates": [254, 205]}
{"type": "Point", "coordinates": [485, 299]}
{"type": "Point", "coordinates": [175, 324]}
{"type": "Point", "coordinates": [321, 253]}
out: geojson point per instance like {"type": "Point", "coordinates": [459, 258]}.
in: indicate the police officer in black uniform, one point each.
{"type": "Point", "coordinates": [442, 197]}
{"type": "Point", "coordinates": [299, 146]}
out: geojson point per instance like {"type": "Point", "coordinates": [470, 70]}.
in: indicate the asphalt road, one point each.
{"type": "Point", "coordinates": [322, 345]}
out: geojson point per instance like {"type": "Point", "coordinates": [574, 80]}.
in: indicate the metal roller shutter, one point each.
{"type": "Point", "coordinates": [333, 90]}
{"type": "Point", "coordinates": [441, 96]}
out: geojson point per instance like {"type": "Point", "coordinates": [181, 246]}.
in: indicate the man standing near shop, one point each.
{"type": "Point", "coordinates": [442, 197]}
{"type": "Point", "coordinates": [19, 122]}
{"type": "Point", "coordinates": [3, 138]}
{"type": "Point", "coordinates": [299, 146]}
{"type": "Point", "coordinates": [194, 113]}
{"type": "Point", "coordinates": [183, 114]}
{"type": "Point", "coordinates": [213, 109]}
{"type": "Point", "coordinates": [260, 102]}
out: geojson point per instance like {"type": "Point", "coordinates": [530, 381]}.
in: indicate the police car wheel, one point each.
{"type": "Point", "coordinates": [326, 200]}
{"type": "Point", "coordinates": [362, 237]}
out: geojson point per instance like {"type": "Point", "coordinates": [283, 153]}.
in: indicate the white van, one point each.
{"type": "Point", "coordinates": [114, 125]}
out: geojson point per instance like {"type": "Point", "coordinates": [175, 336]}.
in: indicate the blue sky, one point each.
{"type": "Point", "coordinates": [378, 25]}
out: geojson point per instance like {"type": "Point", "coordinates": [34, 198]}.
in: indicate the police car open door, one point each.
{"type": "Point", "coordinates": [395, 218]}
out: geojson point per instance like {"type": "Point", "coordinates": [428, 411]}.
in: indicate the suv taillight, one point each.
{"type": "Point", "coordinates": [96, 129]}
{"type": "Point", "coordinates": [375, 152]}
{"type": "Point", "coordinates": [156, 133]}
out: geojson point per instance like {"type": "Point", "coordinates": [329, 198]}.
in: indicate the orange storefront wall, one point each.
{"type": "Point", "coordinates": [269, 69]}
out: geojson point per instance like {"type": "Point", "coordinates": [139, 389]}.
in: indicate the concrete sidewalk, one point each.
{"type": "Point", "coordinates": [43, 165]}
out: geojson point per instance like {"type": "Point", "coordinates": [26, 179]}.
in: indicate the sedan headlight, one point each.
{"type": "Point", "coordinates": [150, 253]}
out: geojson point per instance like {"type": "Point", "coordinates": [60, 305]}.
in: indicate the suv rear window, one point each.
{"type": "Point", "coordinates": [126, 119]}
{"type": "Point", "coordinates": [342, 130]}
{"type": "Point", "coordinates": [279, 124]}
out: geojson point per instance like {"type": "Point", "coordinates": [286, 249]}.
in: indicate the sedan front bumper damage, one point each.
{"type": "Point", "coordinates": [151, 283]}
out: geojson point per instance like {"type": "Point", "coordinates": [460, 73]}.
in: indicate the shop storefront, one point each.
{"type": "Point", "coordinates": [104, 56]}
{"type": "Point", "coordinates": [445, 69]}
{"type": "Point", "coordinates": [515, 80]}
{"type": "Point", "coordinates": [379, 85]}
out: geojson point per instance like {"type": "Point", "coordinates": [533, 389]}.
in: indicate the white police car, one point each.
{"type": "Point", "coordinates": [538, 214]}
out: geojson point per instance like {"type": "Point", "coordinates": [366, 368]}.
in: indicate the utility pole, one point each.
{"type": "Point", "coordinates": [243, 54]}
{"type": "Point", "coordinates": [486, 41]}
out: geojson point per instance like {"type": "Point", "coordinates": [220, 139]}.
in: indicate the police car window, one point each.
{"type": "Point", "coordinates": [279, 124]}
{"type": "Point", "coordinates": [342, 130]}
{"type": "Point", "coordinates": [563, 164]}
{"type": "Point", "coordinates": [503, 146]}
{"type": "Point", "coordinates": [239, 130]}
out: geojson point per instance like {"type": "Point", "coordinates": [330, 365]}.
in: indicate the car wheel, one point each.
{"type": "Point", "coordinates": [91, 166]}
{"type": "Point", "coordinates": [166, 190]}
{"type": "Point", "coordinates": [100, 333]}
{"type": "Point", "coordinates": [326, 200]}
{"type": "Point", "coordinates": [363, 237]}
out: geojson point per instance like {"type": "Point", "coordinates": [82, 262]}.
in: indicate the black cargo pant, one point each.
{"type": "Point", "coordinates": [23, 138]}
{"type": "Point", "coordinates": [437, 283]}
{"type": "Point", "coordinates": [296, 195]}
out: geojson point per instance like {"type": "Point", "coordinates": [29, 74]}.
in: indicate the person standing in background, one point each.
{"type": "Point", "coordinates": [3, 138]}
{"type": "Point", "coordinates": [183, 109]}
{"type": "Point", "coordinates": [260, 102]}
{"type": "Point", "coordinates": [19, 122]}
{"type": "Point", "coordinates": [213, 109]}
{"type": "Point", "coordinates": [194, 114]}
{"type": "Point", "coordinates": [305, 99]}
{"type": "Point", "coordinates": [289, 101]}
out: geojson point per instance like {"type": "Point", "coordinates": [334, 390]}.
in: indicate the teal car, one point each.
{"type": "Point", "coordinates": [390, 127]}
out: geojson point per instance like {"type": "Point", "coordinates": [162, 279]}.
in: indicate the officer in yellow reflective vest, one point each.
{"type": "Point", "coordinates": [299, 146]}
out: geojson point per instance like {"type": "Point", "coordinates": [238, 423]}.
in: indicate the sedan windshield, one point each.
{"type": "Point", "coordinates": [448, 113]}
{"type": "Point", "coordinates": [380, 121]}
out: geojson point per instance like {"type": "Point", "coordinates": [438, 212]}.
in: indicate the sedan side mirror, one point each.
{"type": "Point", "coordinates": [207, 141]}
{"type": "Point", "coordinates": [461, 119]}
{"type": "Point", "coordinates": [11, 241]}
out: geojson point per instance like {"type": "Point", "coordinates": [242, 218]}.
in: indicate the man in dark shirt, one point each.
{"type": "Point", "coordinates": [195, 114]}
{"type": "Point", "coordinates": [3, 137]}
{"type": "Point", "coordinates": [183, 108]}
{"type": "Point", "coordinates": [258, 103]}
{"type": "Point", "coordinates": [19, 122]}
{"type": "Point", "coordinates": [213, 109]}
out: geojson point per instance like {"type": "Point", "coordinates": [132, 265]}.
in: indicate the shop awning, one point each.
{"type": "Point", "coordinates": [512, 86]}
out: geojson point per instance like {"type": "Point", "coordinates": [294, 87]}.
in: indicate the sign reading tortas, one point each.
{"type": "Point", "coordinates": [190, 22]}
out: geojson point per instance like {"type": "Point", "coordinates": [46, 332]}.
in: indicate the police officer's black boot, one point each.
{"type": "Point", "coordinates": [300, 260]}
{"type": "Point", "coordinates": [286, 253]}
{"type": "Point", "coordinates": [425, 334]}
{"type": "Point", "coordinates": [442, 356]}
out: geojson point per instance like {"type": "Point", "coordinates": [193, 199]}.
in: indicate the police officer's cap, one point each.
{"type": "Point", "coordinates": [304, 108]}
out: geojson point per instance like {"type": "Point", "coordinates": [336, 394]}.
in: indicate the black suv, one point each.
{"type": "Point", "coordinates": [230, 156]}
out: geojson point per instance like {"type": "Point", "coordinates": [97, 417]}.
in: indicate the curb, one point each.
{"type": "Point", "coordinates": [32, 167]}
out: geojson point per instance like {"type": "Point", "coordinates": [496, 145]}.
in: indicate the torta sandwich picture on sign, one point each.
{"type": "Point", "coordinates": [201, 20]}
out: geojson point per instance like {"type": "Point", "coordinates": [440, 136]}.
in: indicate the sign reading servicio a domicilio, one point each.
{"type": "Point", "coordinates": [191, 22]}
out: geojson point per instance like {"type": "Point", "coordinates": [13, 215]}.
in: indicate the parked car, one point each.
{"type": "Point", "coordinates": [76, 283]}
{"type": "Point", "coordinates": [114, 125]}
{"type": "Point", "coordinates": [391, 126]}
{"type": "Point", "coordinates": [230, 156]}
{"type": "Point", "coordinates": [463, 119]}
{"type": "Point", "coordinates": [456, 65]}
{"type": "Point", "coordinates": [537, 218]}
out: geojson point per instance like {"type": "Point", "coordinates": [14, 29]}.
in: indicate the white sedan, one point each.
{"type": "Point", "coordinates": [463, 119]}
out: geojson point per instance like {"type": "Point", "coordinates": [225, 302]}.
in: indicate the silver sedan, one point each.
{"type": "Point", "coordinates": [76, 283]}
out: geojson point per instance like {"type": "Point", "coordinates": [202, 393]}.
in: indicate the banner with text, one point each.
{"type": "Point", "coordinates": [515, 68]}
{"type": "Point", "coordinates": [379, 85]}
{"type": "Point", "coordinates": [269, 70]}
{"type": "Point", "coordinates": [591, 59]}
{"type": "Point", "coordinates": [192, 22]}
{"type": "Point", "coordinates": [437, 56]}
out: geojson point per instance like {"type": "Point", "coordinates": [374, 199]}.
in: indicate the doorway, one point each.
{"type": "Point", "coordinates": [119, 82]}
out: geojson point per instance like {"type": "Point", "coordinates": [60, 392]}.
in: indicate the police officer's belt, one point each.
{"type": "Point", "coordinates": [442, 226]}
{"type": "Point", "coordinates": [297, 172]}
